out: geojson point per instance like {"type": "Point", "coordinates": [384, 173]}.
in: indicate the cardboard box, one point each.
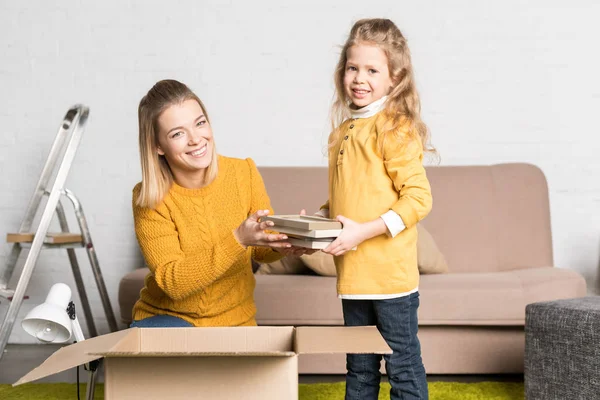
{"type": "Point", "coordinates": [207, 363]}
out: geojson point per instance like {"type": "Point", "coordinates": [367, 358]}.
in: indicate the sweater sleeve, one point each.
{"type": "Point", "coordinates": [178, 275]}
{"type": "Point", "coordinates": [259, 200]}
{"type": "Point", "coordinates": [403, 160]}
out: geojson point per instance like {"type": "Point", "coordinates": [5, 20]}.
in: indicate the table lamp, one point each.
{"type": "Point", "coordinates": [55, 321]}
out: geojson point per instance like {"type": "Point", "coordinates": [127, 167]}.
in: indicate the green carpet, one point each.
{"type": "Point", "coordinates": [319, 391]}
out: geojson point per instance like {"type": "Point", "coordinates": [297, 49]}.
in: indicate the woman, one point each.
{"type": "Point", "coordinates": [197, 218]}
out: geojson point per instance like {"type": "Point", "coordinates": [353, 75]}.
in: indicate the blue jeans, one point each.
{"type": "Point", "coordinates": [161, 321]}
{"type": "Point", "coordinates": [397, 322]}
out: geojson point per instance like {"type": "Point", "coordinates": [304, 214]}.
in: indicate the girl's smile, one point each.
{"type": "Point", "coordinates": [367, 76]}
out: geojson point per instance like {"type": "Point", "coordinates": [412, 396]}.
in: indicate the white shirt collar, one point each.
{"type": "Point", "coordinates": [370, 110]}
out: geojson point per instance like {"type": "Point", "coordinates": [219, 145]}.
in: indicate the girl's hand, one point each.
{"type": "Point", "coordinates": [252, 233]}
{"type": "Point", "coordinates": [352, 235]}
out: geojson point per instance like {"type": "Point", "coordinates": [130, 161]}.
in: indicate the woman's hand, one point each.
{"type": "Point", "coordinates": [352, 235]}
{"type": "Point", "coordinates": [252, 233]}
{"type": "Point", "coordinates": [295, 250]}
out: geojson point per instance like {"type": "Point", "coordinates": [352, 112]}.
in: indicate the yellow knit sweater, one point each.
{"type": "Point", "coordinates": [199, 272]}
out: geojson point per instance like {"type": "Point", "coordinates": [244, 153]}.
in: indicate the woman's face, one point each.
{"type": "Point", "coordinates": [185, 138]}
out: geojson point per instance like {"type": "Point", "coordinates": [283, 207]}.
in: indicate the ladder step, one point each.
{"type": "Point", "coordinates": [9, 293]}
{"type": "Point", "coordinates": [51, 238]}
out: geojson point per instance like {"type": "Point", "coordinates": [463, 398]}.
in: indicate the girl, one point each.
{"type": "Point", "coordinates": [196, 218]}
{"type": "Point", "coordinates": [379, 191]}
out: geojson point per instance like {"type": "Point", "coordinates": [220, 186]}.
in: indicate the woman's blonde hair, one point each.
{"type": "Point", "coordinates": [403, 105]}
{"type": "Point", "coordinates": [157, 177]}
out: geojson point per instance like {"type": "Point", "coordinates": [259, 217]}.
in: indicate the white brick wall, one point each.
{"type": "Point", "coordinates": [500, 81]}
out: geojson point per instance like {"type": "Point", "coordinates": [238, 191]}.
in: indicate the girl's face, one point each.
{"type": "Point", "coordinates": [185, 139]}
{"type": "Point", "coordinates": [367, 77]}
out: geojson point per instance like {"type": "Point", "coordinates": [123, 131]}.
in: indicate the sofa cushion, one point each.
{"type": "Point", "coordinates": [543, 285]}
{"type": "Point", "coordinates": [321, 263]}
{"type": "Point", "coordinates": [492, 298]}
{"type": "Point", "coordinates": [285, 266]}
{"type": "Point", "coordinates": [429, 258]}
{"type": "Point", "coordinates": [129, 292]}
{"type": "Point", "coordinates": [487, 299]}
{"type": "Point", "coordinates": [484, 218]}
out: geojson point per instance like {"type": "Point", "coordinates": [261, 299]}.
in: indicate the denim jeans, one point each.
{"type": "Point", "coordinates": [160, 321]}
{"type": "Point", "coordinates": [397, 322]}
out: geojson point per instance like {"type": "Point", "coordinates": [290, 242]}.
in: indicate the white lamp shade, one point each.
{"type": "Point", "coordinates": [49, 322]}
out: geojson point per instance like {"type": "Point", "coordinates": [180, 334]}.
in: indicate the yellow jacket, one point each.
{"type": "Point", "coordinates": [199, 272]}
{"type": "Point", "coordinates": [364, 183]}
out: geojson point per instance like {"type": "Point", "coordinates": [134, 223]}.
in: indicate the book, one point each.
{"type": "Point", "coordinates": [306, 222]}
{"type": "Point", "coordinates": [315, 233]}
{"type": "Point", "coordinates": [318, 244]}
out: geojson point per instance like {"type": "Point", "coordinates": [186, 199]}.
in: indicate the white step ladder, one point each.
{"type": "Point", "coordinates": [57, 167]}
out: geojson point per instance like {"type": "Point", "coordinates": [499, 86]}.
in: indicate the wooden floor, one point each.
{"type": "Point", "coordinates": [18, 359]}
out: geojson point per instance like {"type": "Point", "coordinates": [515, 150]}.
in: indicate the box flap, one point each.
{"type": "Point", "coordinates": [194, 354]}
{"type": "Point", "coordinates": [77, 354]}
{"type": "Point", "coordinates": [346, 339]}
{"type": "Point", "coordinates": [170, 342]}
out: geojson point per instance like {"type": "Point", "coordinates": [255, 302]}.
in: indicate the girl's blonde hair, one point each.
{"type": "Point", "coordinates": [403, 105]}
{"type": "Point", "coordinates": [157, 177]}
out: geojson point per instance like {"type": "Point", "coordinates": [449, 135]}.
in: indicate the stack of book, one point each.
{"type": "Point", "coordinates": [306, 231]}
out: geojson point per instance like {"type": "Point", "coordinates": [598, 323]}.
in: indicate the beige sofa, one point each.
{"type": "Point", "coordinates": [492, 223]}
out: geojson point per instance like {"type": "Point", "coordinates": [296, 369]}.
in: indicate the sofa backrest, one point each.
{"type": "Point", "coordinates": [484, 218]}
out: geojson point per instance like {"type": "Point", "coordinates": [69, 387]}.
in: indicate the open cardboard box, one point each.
{"type": "Point", "coordinates": [207, 363]}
